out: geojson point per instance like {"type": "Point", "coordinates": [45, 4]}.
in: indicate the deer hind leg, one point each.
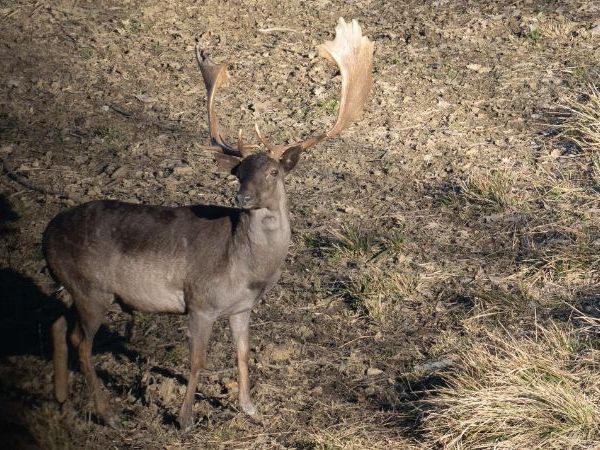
{"type": "Point", "coordinates": [130, 329]}
{"type": "Point", "coordinates": [90, 312]}
{"type": "Point", "coordinates": [60, 359]}
{"type": "Point", "coordinates": [76, 335]}
{"type": "Point", "coordinates": [239, 324]}
{"type": "Point", "coordinates": [200, 327]}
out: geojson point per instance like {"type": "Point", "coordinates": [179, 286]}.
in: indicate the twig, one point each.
{"type": "Point", "coordinates": [252, 437]}
{"type": "Point", "coordinates": [119, 110]}
{"type": "Point", "coordinates": [9, 14]}
{"type": "Point", "coordinates": [38, 5]}
{"type": "Point", "coordinates": [31, 169]}
{"type": "Point", "coordinates": [358, 338]}
{"type": "Point", "coordinates": [278, 29]}
{"type": "Point", "coordinates": [13, 175]}
{"type": "Point", "coordinates": [212, 148]}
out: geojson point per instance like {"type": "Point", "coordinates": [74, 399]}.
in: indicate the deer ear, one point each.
{"type": "Point", "coordinates": [227, 163]}
{"type": "Point", "coordinates": [290, 158]}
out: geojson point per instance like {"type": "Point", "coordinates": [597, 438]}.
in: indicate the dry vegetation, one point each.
{"type": "Point", "coordinates": [442, 248]}
{"type": "Point", "coordinates": [537, 392]}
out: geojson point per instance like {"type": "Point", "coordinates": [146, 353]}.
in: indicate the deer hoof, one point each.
{"type": "Point", "coordinates": [186, 423]}
{"type": "Point", "coordinates": [249, 408]}
{"type": "Point", "coordinates": [112, 421]}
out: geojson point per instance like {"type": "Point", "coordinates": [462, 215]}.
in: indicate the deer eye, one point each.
{"type": "Point", "coordinates": [274, 172]}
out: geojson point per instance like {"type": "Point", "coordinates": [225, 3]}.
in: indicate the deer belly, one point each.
{"type": "Point", "coordinates": [149, 291]}
{"type": "Point", "coordinates": [233, 297]}
{"type": "Point", "coordinates": [154, 297]}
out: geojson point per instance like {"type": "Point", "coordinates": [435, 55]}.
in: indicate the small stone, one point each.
{"type": "Point", "coordinates": [232, 387]}
{"type": "Point", "coordinates": [145, 98]}
{"type": "Point", "coordinates": [94, 191]}
{"type": "Point", "coordinates": [373, 372]}
{"type": "Point", "coordinates": [119, 173]}
{"type": "Point", "coordinates": [183, 170]}
{"type": "Point", "coordinates": [317, 391]}
{"type": "Point", "coordinates": [432, 366]}
{"type": "Point", "coordinates": [479, 68]}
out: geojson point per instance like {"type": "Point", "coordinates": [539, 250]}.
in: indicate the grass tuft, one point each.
{"type": "Point", "coordinates": [377, 294]}
{"type": "Point", "coordinates": [352, 242]}
{"type": "Point", "coordinates": [583, 126]}
{"type": "Point", "coordinates": [493, 191]}
{"type": "Point", "coordinates": [518, 392]}
{"type": "Point", "coordinates": [330, 105]}
{"type": "Point", "coordinates": [568, 258]}
{"type": "Point", "coordinates": [535, 34]}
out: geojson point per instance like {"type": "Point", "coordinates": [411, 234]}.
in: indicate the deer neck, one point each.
{"type": "Point", "coordinates": [269, 226]}
{"type": "Point", "coordinates": [265, 232]}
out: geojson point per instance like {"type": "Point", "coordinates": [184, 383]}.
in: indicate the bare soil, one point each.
{"type": "Point", "coordinates": [452, 203]}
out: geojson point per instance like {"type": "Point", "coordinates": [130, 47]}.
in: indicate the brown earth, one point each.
{"type": "Point", "coordinates": [451, 204]}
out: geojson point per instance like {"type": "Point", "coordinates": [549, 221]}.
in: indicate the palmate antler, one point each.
{"type": "Point", "coordinates": [214, 76]}
{"type": "Point", "coordinates": [350, 50]}
{"type": "Point", "coordinates": [353, 53]}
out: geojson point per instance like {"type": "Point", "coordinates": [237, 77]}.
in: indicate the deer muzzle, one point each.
{"type": "Point", "coordinates": [245, 200]}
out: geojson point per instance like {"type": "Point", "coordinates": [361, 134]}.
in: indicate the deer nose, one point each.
{"type": "Point", "coordinates": [243, 199]}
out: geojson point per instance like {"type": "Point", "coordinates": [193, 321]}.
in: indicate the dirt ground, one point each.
{"type": "Point", "coordinates": [452, 204]}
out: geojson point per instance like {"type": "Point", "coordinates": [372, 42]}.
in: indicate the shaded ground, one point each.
{"type": "Point", "coordinates": [451, 204]}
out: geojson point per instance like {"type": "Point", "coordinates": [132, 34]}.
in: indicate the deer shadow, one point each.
{"type": "Point", "coordinates": [26, 315]}
{"type": "Point", "coordinates": [27, 311]}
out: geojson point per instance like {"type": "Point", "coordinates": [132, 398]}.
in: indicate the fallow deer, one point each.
{"type": "Point", "coordinates": [203, 261]}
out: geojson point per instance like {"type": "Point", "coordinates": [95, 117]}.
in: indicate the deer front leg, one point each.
{"type": "Point", "coordinates": [240, 324]}
{"type": "Point", "coordinates": [200, 327]}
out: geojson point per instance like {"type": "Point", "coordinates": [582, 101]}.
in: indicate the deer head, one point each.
{"type": "Point", "coordinates": [263, 172]}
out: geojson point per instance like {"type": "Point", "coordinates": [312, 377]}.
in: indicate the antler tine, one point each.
{"type": "Point", "coordinates": [273, 149]}
{"type": "Point", "coordinates": [214, 76]}
{"type": "Point", "coordinates": [353, 53]}
{"type": "Point", "coordinates": [244, 149]}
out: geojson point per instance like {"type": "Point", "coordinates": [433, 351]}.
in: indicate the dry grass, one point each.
{"type": "Point", "coordinates": [520, 392]}
{"type": "Point", "coordinates": [492, 190]}
{"type": "Point", "coordinates": [352, 242]}
{"type": "Point", "coordinates": [596, 169]}
{"type": "Point", "coordinates": [378, 294]}
{"type": "Point", "coordinates": [583, 125]}
{"type": "Point", "coordinates": [568, 258]}
{"type": "Point", "coordinates": [377, 284]}
{"type": "Point", "coordinates": [532, 387]}
{"type": "Point", "coordinates": [483, 193]}
{"type": "Point", "coordinates": [352, 435]}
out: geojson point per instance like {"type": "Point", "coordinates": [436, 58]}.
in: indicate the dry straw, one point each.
{"type": "Point", "coordinates": [519, 392]}
{"type": "Point", "coordinates": [583, 125]}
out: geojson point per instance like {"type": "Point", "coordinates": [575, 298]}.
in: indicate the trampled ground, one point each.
{"type": "Point", "coordinates": [454, 209]}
